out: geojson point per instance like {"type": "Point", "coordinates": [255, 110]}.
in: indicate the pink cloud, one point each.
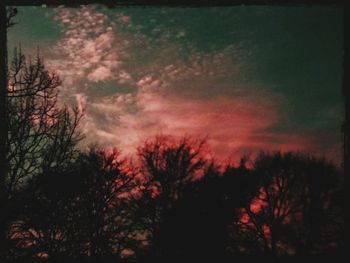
{"type": "Point", "coordinates": [99, 74]}
{"type": "Point", "coordinates": [165, 96]}
{"type": "Point", "coordinates": [233, 126]}
{"type": "Point", "coordinates": [91, 49]}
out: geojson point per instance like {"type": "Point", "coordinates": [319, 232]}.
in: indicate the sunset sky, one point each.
{"type": "Point", "coordinates": [247, 78]}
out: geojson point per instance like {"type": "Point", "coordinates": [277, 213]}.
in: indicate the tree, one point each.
{"type": "Point", "coordinates": [167, 166]}
{"type": "Point", "coordinates": [80, 211]}
{"type": "Point", "coordinates": [295, 209]}
{"type": "Point", "coordinates": [42, 133]}
{"type": "Point", "coordinates": [102, 220]}
{"type": "Point", "coordinates": [197, 227]}
{"type": "Point", "coordinates": [6, 14]}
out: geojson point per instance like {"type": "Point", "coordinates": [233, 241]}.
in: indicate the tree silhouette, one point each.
{"type": "Point", "coordinates": [198, 226]}
{"type": "Point", "coordinates": [41, 133]}
{"type": "Point", "coordinates": [103, 221]}
{"type": "Point", "coordinates": [295, 208]}
{"type": "Point", "coordinates": [77, 212]}
{"type": "Point", "coordinates": [6, 14]}
{"type": "Point", "coordinates": [167, 167]}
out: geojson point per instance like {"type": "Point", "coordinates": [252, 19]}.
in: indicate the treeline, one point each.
{"type": "Point", "coordinates": [172, 203]}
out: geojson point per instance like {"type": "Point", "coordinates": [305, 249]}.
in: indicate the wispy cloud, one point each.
{"type": "Point", "coordinates": [203, 94]}
{"type": "Point", "coordinates": [91, 49]}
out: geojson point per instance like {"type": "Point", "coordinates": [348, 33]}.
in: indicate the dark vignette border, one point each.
{"type": "Point", "coordinates": [345, 129]}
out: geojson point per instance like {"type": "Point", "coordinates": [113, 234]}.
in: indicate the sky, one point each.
{"type": "Point", "coordinates": [246, 78]}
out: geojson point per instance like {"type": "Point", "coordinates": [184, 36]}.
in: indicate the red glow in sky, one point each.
{"type": "Point", "coordinates": [134, 85]}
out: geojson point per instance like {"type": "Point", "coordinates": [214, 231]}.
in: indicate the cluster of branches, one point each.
{"type": "Point", "coordinates": [172, 203]}
{"type": "Point", "coordinates": [41, 133]}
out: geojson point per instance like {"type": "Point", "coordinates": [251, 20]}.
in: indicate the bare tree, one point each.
{"type": "Point", "coordinates": [167, 166]}
{"type": "Point", "coordinates": [294, 210]}
{"type": "Point", "coordinates": [41, 132]}
{"type": "Point", "coordinates": [79, 212]}
{"type": "Point", "coordinates": [6, 15]}
{"type": "Point", "coordinates": [197, 227]}
{"type": "Point", "coordinates": [103, 218]}
{"type": "Point", "coordinates": [3, 122]}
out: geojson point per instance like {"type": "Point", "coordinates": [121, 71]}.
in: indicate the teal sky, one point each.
{"type": "Point", "coordinates": [249, 77]}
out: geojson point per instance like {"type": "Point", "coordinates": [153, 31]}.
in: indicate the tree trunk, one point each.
{"type": "Point", "coordinates": [3, 127]}
{"type": "Point", "coordinates": [346, 127]}
{"type": "Point", "coordinates": [3, 99]}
